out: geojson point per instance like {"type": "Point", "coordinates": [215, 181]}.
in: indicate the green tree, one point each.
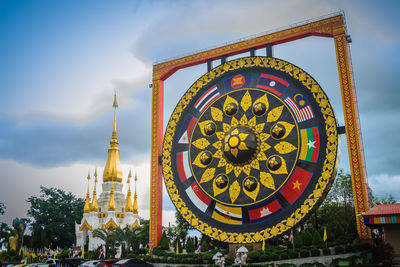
{"type": "Point", "coordinates": [5, 233]}
{"type": "Point", "coordinates": [189, 245]}
{"type": "Point", "coordinates": [297, 240]}
{"type": "Point", "coordinates": [316, 238]}
{"type": "Point", "coordinates": [204, 245]}
{"type": "Point", "coordinates": [164, 242]}
{"type": "Point", "coordinates": [53, 216]}
{"type": "Point", "coordinates": [2, 208]}
{"type": "Point", "coordinates": [110, 239]}
{"type": "Point", "coordinates": [306, 237]}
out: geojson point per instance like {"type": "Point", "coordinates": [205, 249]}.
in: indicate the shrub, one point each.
{"type": "Point", "coordinates": [284, 256]}
{"type": "Point", "coordinates": [339, 231]}
{"type": "Point", "coordinates": [349, 248]}
{"type": "Point", "coordinates": [339, 250]}
{"type": "Point", "coordinates": [315, 252]}
{"type": "Point", "coordinates": [307, 238]}
{"type": "Point", "coordinates": [204, 245]}
{"type": "Point", "coordinates": [274, 256]}
{"type": "Point", "coordinates": [190, 246]}
{"type": "Point", "coordinates": [316, 238]}
{"type": "Point", "coordinates": [304, 253]}
{"type": "Point", "coordinates": [264, 257]}
{"type": "Point", "coordinates": [293, 255]}
{"type": "Point", "coordinates": [298, 241]}
{"type": "Point", "coordinates": [229, 261]}
{"type": "Point", "coordinates": [326, 251]}
{"type": "Point", "coordinates": [164, 242]}
{"type": "Point", "coordinates": [254, 256]}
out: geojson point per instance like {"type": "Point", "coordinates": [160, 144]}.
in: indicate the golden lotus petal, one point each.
{"type": "Point", "coordinates": [246, 101]}
{"type": "Point", "coordinates": [284, 147]}
{"type": "Point", "coordinates": [229, 100]}
{"type": "Point", "coordinates": [282, 169]}
{"type": "Point", "coordinates": [218, 145]}
{"type": "Point", "coordinates": [252, 122]}
{"type": "Point", "coordinates": [207, 175]}
{"type": "Point", "coordinates": [226, 127]}
{"type": "Point", "coordinates": [247, 169]}
{"type": "Point", "coordinates": [267, 180]}
{"type": "Point", "coordinates": [203, 124]}
{"type": "Point", "coordinates": [243, 120]}
{"type": "Point", "coordinates": [243, 136]}
{"type": "Point", "coordinates": [237, 170]}
{"type": "Point", "coordinates": [234, 152]}
{"type": "Point", "coordinates": [259, 127]}
{"type": "Point", "coordinates": [218, 190]}
{"type": "Point", "coordinates": [288, 128]}
{"type": "Point", "coordinates": [235, 132]}
{"type": "Point", "coordinates": [265, 147]}
{"type": "Point", "coordinates": [264, 137]}
{"type": "Point", "coordinates": [252, 194]}
{"type": "Point", "coordinates": [197, 161]}
{"type": "Point", "coordinates": [242, 146]}
{"type": "Point", "coordinates": [263, 100]}
{"type": "Point", "coordinates": [234, 191]}
{"type": "Point", "coordinates": [229, 168]}
{"type": "Point", "coordinates": [201, 143]}
{"type": "Point", "coordinates": [274, 114]}
{"type": "Point", "coordinates": [255, 164]}
{"type": "Point", "coordinates": [218, 154]}
{"type": "Point", "coordinates": [234, 122]}
{"type": "Point", "coordinates": [261, 156]}
{"type": "Point", "coordinates": [220, 135]}
{"type": "Point", "coordinates": [222, 162]}
{"type": "Point", "coordinates": [216, 114]}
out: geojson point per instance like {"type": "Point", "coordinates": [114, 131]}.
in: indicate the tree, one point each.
{"type": "Point", "coordinates": [190, 246]}
{"type": "Point", "coordinates": [53, 215]}
{"type": "Point", "coordinates": [316, 238]}
{"type": "Point", "coordinates": [5, 233]}
{"type": "Point", "coordinates": [164, 243]}
{"type": "Point", "coordinates": [2, 208]}
{"type": "Point", "coordinates": [110, 239]}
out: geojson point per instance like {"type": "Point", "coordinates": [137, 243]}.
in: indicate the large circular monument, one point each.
{"type": "Point", "coordinates": [250, 150]}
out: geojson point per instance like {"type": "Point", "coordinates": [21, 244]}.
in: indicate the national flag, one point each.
{"type": "Point", "coordinates": [186, 129]}
{"type": "Point", "coordinates": [309, 144]}
{"type": "Point", "coordinates": [20, 252]}
{"type": "Point", "coordinates": [100, 252]}
{"type": "Point", "coordinates": [296, 184]}
{"type": "Point", "coordinates": [177, 248]}
{"type": "Point", "coordinates": [150, 248]}
{"type": "Point", "coordinates": [83, 253]}
{"type": "Point", "coordinates": [198, 248]}
{"type": "Point", "coordinates": [55, 254]}
{"type": "Point", "coordinates": [207, 98]}
{"type": "Point", "coordinates": [299, 105]}
{"type": "Point", "coordinates": [225, 214]}
{"type": "Point", "coordinates": [182, 161]}
{"type": "Point", "coordinates": [198, 198]}
{"type": "Point", "coordinates": [291, 238]}
{"type": "Point", "coordinates": [325, 235]}
{"type": "Point", "coordinates": [238, 81]}
{"type": "Point", "coordinates": [383, 235]}
{"type": "Point", "coordinates": [263, 245]}
{"type": "Point", "coordinates": [272, 83]}
{"type": "Point", "coordinates": [264, 211]}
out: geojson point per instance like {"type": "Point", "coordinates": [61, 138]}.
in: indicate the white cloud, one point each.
{"type": "Point", "coordinates": [384, 185]}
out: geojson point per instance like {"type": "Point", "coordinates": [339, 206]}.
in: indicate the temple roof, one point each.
{"type": "Point", "coordinates": [384, 209]}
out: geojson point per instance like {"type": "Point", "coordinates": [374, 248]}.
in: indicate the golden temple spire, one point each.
{"type": "Point", "coordinates": [135, 205]}
{"type": "Point", "coordinates": [128, 205]}
{"type": "Point", "coordinates": [86, 208]}
{"type": "Point", "coordinates": [111, 203]}
{"type": "Point", "coordinates": [94, 206]}
{"type": "Point", "coordinates": [112, 170]}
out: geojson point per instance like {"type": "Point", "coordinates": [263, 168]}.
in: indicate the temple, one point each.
{"type": "Point", "coordinates": [112, 209]}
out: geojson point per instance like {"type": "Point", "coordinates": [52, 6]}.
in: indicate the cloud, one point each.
{"type": "Point", "coordinates": [383, 185]}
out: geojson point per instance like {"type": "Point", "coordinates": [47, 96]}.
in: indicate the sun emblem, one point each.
{"type": "Point", "coordinates": [242, 147]}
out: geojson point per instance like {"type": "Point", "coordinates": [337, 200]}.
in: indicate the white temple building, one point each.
{"type": "Point", "coordinates": [112, 209]}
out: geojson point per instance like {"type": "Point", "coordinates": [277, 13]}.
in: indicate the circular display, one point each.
{"type": "Point", "coordinates": [250, 150]}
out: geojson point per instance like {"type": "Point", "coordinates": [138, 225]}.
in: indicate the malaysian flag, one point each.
{"type": "Point", "coordinates": [300, 106]}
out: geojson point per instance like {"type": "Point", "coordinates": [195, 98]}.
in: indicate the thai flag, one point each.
{"type": "Point", "coordinates": [198, 248]}
{"type": "Point", "coordinates": [182, 161]}
{"type": "Point", "coordinates": [100, 252]}
{"type": "Point", "coordinates": [299, 105]}
{"type": "Point", "coordinates": [199, 199]}
{"type": "Point", "coordinates": [291, 239]}
{"type": "Point", "coordinates": [207, 98]}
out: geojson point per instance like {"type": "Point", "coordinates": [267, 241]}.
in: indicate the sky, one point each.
{"type": "Point", "coordinates": [60, 62]}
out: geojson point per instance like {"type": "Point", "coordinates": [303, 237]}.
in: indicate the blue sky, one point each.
{"type": "Point", "coordinates": [62, 60]}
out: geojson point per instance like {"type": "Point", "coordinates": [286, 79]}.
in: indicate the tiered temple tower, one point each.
{"type": "Point", "coordinates": [112, 209]}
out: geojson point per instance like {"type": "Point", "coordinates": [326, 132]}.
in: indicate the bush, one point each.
{"type": "Point", "coordinates": [274, 256]}
{"type": "Point", "coordinates": [190, 246]}
{"type": "Point", "coordinates": [307, 238]}
{"type": "Point", "coordinates": [316, 238]}
{"type": "Point", "coordinates": [284, 256]}
{"type": "Point", "coordinates": [326, 251]}
{"type": "Point", "coordinates": [164, 242]}
{"type": "Point", "coordinates": [298, 241]}
{"type": "Point", "coordinates": [254, 256]}
{"type": "Point", "coordinates": [339, 250]}
{"type": "Point", "coordinates": [304, 253]}
{"type": "Point", "coordinates": [315, 252]}
{"type": "Point", "coordinates": [204, 245]}
{"type": "Point", "coordinates": [348, 248]}
{"type": "Point", "coordinates": [229, 261]}
{"type": "Point", "coordinates": [293, 255]}
{"type": "Point", "coordinates": [339, 231]}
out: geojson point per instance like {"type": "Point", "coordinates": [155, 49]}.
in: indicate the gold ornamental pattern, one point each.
{"type": "Point", "coordinates": [324, 179]}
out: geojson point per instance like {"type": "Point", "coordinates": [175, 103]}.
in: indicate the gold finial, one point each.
{"type": "Point", "coordinates": [88, 176]}
{"type": "Point", "coordinates": [86, 208]}
{"type": "Point", "coordinates": [135, 204]}
{"type": "Point", "coordinates": [128, 205]}
{"type": "Point", "coordinates": [94, 206]}
{"type": "Point", "coordinates": [112, 170]}
{"type": "Point", "coordinates": [111, 204]}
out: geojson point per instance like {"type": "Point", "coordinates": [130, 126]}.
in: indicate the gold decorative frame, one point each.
{"type": "Point", "coordinates": [332, 27]}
